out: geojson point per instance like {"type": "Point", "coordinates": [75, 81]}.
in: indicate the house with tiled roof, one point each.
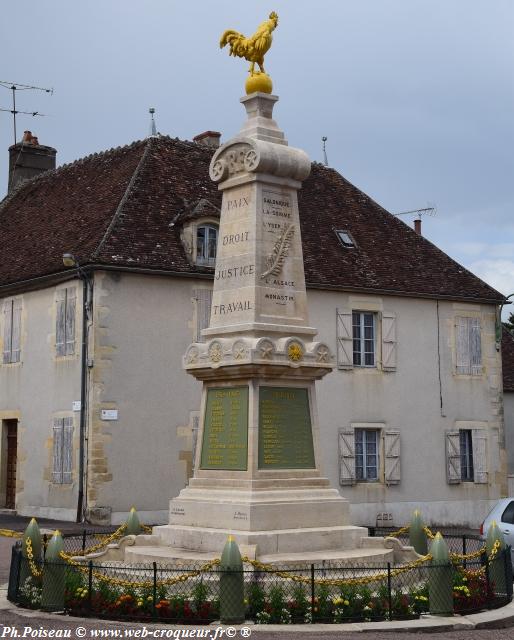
{"type": "Point", "coordinates": [97, 414]}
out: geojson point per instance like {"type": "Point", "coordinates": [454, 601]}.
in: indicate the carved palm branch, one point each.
{"type": "Point", "coordinates": [275, 261]}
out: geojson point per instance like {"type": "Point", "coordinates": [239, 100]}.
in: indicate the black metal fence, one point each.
{"type": "Point", "coordinates": [306, 594]}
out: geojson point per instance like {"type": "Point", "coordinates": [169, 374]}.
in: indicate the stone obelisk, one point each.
{"type": "Point", "coordinates": [257, 468]}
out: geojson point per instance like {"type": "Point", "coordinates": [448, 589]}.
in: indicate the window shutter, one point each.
{"type": "Point", "coordinates": [58, 439]}
{"type": "Point", "coordinates": [203, 299]}
{"type": "Point", "coordinates": [67, 450]}
{"type": "Point", "coordinates": [453, 457]}
{"type": "Point", "coordinates": [70, 321]}
{"type": "Point", "coordinates": [60, 326]}
{"type": "Point", "coordinates": [344, 339]}
{"type": "Point", "coordinates": [479, 440]}
{"type": "Point", "coordinates": [462, 345]}
{"type": "Point", "coordinates": [388, 341]}
{"type": "Point", "coordinates": [7, 330]}
{"type": "Point", "coordinates": [475, 346]}
{"type": "Point", "coordinates": [16, 331]}
{"type": "Point", "coordinates": [346, 457]}
{"type": "Point", "coordinates": [392, 456]}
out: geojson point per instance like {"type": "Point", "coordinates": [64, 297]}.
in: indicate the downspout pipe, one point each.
{"type": "Point", "coordinates": [86, 291]}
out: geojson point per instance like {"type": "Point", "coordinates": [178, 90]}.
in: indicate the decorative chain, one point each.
{"type": "Point", "coordinates": [400, 532]}
{"type": "Point", "coordinates": [104, 542]}
{"type": "Point", "coordinates": [9, 533]}
{"type": "Point", "coordinates": [30, 557]}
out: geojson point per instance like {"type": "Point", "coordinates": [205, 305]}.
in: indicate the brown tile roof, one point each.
{"type": "Point", "coordinates": [124, 207]}
{"type": "Point", "coordinates": [508, 360]}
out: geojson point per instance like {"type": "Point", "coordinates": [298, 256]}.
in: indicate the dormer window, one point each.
{"type": "Point", "coordinates": [206, 242]}
{"type": "Point", "coordinates": [345, 238]}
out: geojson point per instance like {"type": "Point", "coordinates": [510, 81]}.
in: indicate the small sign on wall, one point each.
{"type": "Point", "coordinates": [77, 405]}
{"type": "Point", "coordinates": [109, 414]}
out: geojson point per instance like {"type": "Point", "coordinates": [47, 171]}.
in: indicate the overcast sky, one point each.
{"type": "Point", "coordinates": [416, 97]}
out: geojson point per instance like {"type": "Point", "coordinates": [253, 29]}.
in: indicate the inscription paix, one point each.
{"type": "Point", "coordinates": [236, 203]}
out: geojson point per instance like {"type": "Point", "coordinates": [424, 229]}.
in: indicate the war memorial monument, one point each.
{"type": "Point", "coordinates": [257, 469]}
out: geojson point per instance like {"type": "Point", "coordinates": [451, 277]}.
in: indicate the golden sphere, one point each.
{"type": "Point", "coordinates": [258, 82]}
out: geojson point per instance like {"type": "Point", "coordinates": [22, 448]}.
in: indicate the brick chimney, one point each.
{"type": "Point", "coordinates": [28, 158]}
{"type": "Point", "coordinates": [208, 138]}
{"type": "Point", "coordinates": [417, 226]}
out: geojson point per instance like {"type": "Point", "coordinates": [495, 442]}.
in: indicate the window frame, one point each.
{"type": "Point", "coordinates": [467, 472]}
{"type": "Point", "coordinates": [344, 243]}
{"type": "Point", "coordinates": [367, 439]}
{"type": "Point", "coordinates": [203, 260]}
{"type": "Point", "coordinates": [362, 339]}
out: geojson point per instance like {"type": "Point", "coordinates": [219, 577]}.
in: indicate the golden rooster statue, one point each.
{"type": "Point", "coordinates": [253, 49]}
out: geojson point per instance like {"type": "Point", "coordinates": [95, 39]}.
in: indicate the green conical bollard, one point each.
{"type": "Point", "coordinates": [497, 577]}
{"type": "Point", "coordinates": [133, 524]}
{"type": "Point", "coordinates": [54, 575]}
{"type": "Point", "coordinates": [33, 534]}
{"type": "Point", "coordinates": [232, 593]}
{"type": "Point", "coordinates": [417, 535]}
{"type": "Point", "coordinates": [440, 579]}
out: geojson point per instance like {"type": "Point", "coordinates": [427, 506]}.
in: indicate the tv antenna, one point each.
{"type": "Point", "coordinates": [427, 211]}
{"type": "Point", "coordinates": [325, 159]}
{"type": "Point", "coordinates": [15, 86]}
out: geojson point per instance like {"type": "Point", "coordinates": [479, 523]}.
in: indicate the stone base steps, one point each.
{"type": "Point", "coordinates": [350, 558]}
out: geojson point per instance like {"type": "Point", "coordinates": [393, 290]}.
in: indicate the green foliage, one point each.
{"type": "Point", "coordinates": [509, 323]}
{"type": "Point", "coordinates": [256, 599]}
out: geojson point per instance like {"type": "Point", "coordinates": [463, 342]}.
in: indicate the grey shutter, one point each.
{"type": "Point", "coordinates": [392, 456]}
{"type": "Point", "coordinates": [475, 346]}
{"type": "Point", "coordinates": [388, 341]}
{"type": "Point", "coordinates": [453, 474]}
{"type": "Point", "coordinates": [67, 450]}
{"type": "Point", "coordinates": [203, 299]}
{"type": "Point", "coordinates": [58, 439]}
{"type": "Point", "coordinates": [479, 440]}
{"type": "Point", "coordinates": [60, 324]}
{"type": "Point", "coordinates": [16, 331]}
{"type": "Point", "coordinates": [8, 306]}
{"type": "Point", "coordinates": [70, 320]}
{"type": "Point", "coordinates": [344, 339]}
{"type": "Point", "coordinates": [462, 346]}
{"type": "Point", "coordinates": [346, 457]}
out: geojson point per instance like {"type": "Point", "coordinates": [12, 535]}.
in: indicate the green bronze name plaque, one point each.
{"type": "Point", "coordinates": [285, 431]}
{"type": "Point", "coordinates": [225, 430]}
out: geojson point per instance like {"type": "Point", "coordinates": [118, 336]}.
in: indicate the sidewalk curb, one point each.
{"type": "Point", "coordinates": [492, 619]}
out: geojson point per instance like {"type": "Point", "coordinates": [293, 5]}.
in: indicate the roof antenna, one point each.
{"type": "Point", "coordinates": [153, 128]}
{"type": "Point", "coordinates": [325, 159]}
{"type": "Point", "coordinates": [14, 86]}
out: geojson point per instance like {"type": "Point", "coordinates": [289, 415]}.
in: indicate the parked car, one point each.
{"type": "Point", "coordinates": [503, 513]}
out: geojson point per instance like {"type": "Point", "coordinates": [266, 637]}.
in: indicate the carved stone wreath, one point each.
{"type": "Point", "coordinates": [240, 350]}
{"type": "Point", "coordinates": [215, 352]}
{"type": "Point", "coordinates": [266, 350]}
{"type": "Point", "coordinates": [323, 353]}
{"type": "Point", "coordinates": [251, 160]}
{"type": "Point", "coordinates": [192, 356]}
{"type": "Point", "coordinates": [295, 351]}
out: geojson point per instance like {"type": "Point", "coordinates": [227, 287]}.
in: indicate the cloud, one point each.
{"type": "Point", "coordinates": [499, 273]}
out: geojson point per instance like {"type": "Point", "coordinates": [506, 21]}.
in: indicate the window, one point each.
{"type": "Point", "coordinates": [63, 450]}
{"type": "Point", "coordinates": [358, 343]}
{"type": "Point", "coordinates": [65, 322]}
{"type": "Point", "coordinates": [366, 454]}
{"type": "Point", "coordinates": [12, 330]}
{"type": "Point", "coordinates": [466, 455]}
{"type": "Point", "coordinates": [345, 239]}
{"type": "Point", "coordinates": [363, 325]}
{"type": "Point", "coordinates": [369, 454]}
{"type": "Point", "coordinates": [468, 346]}
{"type": "Point", "coordinates": [206, 241]}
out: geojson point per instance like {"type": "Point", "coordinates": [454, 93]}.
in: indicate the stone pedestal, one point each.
{"type": "Point", "coordinates": [257, 471]}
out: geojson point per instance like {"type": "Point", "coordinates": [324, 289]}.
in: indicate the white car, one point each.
{"type": "Point", "coordinates": [503, 513]}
